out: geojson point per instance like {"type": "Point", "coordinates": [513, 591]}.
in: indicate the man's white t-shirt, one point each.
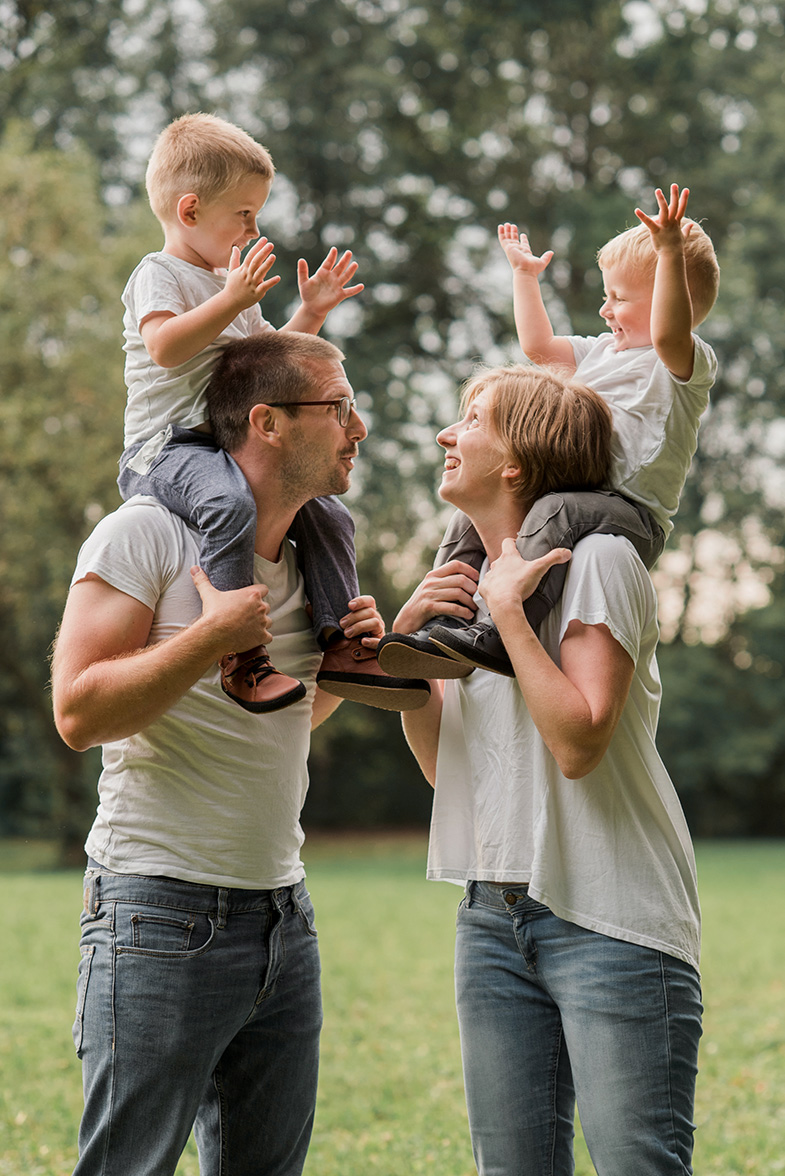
{"type": "Point", "coordinates": [655, 417]}
{"type": "Point", "coordinates": [209, 792]}
{"type": "Point", "coordinates": [158, 396]}
{"type": "Point", "coordinates": [610, 852]}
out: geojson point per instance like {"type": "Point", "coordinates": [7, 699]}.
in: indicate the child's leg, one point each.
{"type": "Point", "coordinates": [556, 520]}
{"type": "Point", "coordinates": [415, 653]}
{"type": "Point", "coordinates": [561, 520]}
{"type": "Point", "coordinates": [185, 471]}
{"type": "Point", "coordinates": [323, 531]}
{"type": "Point", "coordinates": [460, 541]}
{"type": "Point", "coordinates": [203, 485]}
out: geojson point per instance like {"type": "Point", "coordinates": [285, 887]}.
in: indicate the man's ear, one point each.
{"type": "Point", "coordinates": [264, 421]}
{"type": "Point", "coordinates": [511, 471]}
{"type": "Point", "coordinates": [188, 209]}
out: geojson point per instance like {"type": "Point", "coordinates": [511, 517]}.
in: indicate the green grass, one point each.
{"type": "Point", "coordinates": [391, 1098]}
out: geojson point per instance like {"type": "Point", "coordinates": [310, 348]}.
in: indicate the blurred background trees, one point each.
{"type": "Point", "coordinates": [404, 131]}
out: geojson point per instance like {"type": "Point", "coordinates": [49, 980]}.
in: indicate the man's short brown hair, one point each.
{"type": "Point", "coordinates": [275, 367]}
{"type": "Point", "coordinates": [557, 431]}
{"type": "Point", "coordinates": [203, 154]}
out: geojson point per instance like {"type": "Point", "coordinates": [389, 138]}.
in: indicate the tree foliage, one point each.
{"type": "Point", "coordinates": [404, 131]}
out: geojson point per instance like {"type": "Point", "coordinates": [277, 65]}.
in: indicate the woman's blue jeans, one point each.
{"type": "Point", "coordinates": [551, 1014]}
{"type": "Point", "coordinates": [197, 1007]}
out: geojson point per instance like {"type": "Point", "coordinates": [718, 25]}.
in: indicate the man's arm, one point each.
{"type": "Point", "coordinates": [535, 333]}
{"type": "Point", "coordinates": [172, 339]}
{"type": "Point", "coordinates": [575, 707]}
{"type": "Point", "coordinates": [322, 292]}
{"type": "Point", "coordinates": [107, 684]}
{"type": "Point", "coordinates": [671, 306]}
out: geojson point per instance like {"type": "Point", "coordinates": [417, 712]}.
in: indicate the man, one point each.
{"type": "Point", "coordinates": [199, 1000]}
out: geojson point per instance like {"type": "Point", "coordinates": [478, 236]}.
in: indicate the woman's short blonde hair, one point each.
{"type": "Point", "coordinates": [634, 251]}
{"type": "Point", "coordinates": [557, 431]}
{"type": "Point", "coordinates": [204, 154]}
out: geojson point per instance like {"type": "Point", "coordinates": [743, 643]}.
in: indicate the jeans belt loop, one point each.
{"type": "Point", "coordinates": [223, 907]}
{"type": "Point", "coordinates": [469, 893]}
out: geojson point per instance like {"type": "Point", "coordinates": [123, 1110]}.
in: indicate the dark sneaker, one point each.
{"type": "Point", "coordinates": [351, 670]}
{"type": "Point", "coordinates": [414, 653]}
{"type": "Point", "coordinates": [252, 681]}
{"type": "Point", "coordinates": [477, 645]}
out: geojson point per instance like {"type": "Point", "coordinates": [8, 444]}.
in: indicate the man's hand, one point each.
{"type": "Point", "coordinates": [363, 620]}
{"type": "Point", "coordinates": [666, 228]}
{"type": "Point", "coordinates": [247, 281]}
{"type": "Point", "coordinates": [238, 620]}
{"type": "Point", "coordinates": [512, 579]}
{"type": "Point", "coordinates": [519, 253]}
{"type": "Point", "coordinates": [447, 591]}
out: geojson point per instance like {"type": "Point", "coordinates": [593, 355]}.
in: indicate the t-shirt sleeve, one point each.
{"type": "Point", "coordinates": [134, 550]}
{"type": "Point", "coordinates": [152, 288]}
{"type": "Point", "coordinates": [581, 346]}
{"type": "Point", "coordinates": [704, 369]}
{"type": "Point", "coordinates": [607, 584]}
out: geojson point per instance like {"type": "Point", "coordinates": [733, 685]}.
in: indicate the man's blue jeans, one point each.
{"type": "Point", "coordinates": [551, 1013]}
{"type": "Point", "coordinates": [196, 1007]}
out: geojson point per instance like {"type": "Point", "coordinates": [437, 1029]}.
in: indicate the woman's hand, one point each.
{"type": "Point", "coordinates": [512, 579]}
{"type": "Point", "coordinates": [447, 591]}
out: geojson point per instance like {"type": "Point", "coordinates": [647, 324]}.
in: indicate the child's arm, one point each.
{"type": "Point", "coordinates": [322, 292]}
{"type": "Point", "coordinates": [172, 339]}
{"type": "Point", "coordinates": [535, 333]}
{"type": "Point", "coordinates": [671, 306]}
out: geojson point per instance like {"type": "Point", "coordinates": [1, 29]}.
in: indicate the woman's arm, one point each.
{"type": "Point", "coordinates": [575, 707]}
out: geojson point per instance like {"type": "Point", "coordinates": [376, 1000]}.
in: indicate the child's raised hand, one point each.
{"type": "Point", "coordinates": [247, 280]}
{"type": "Point", "coordinates": [666, 228]}
{"type": "Point", "coordinates": [328, 287]}
{"type": "Point", "coordinates": [519, 252]}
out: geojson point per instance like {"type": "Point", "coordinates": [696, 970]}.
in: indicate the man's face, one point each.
{"type": "Point", "coordinates": [321, 452]}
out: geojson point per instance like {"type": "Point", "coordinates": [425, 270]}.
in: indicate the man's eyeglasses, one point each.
{"type": "Point", "coordinates": [345, 406]}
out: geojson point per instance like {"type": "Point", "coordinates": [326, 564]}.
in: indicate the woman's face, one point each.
{"type": "Point", "coordinates": [473, 458]}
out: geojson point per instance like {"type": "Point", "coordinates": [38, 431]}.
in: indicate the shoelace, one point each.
{"type": "Point", "coordinates": [257, 670]}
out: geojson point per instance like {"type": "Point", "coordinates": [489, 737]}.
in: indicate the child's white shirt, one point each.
{"type": "Point", "coordinates": [158, 396]}
{"type": "Point", "coordinates": [656, 417]}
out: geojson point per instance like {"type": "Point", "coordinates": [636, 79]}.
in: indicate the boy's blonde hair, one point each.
{"type": "Point", "coordinates": [633, 250]}
{"type": "Point", "coordinates": [203, 154]}
{"type": "Point", "coordinates": [558, 431]}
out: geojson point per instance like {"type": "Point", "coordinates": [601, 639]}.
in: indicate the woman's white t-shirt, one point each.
{"type": "Point", "coordinates": [611, 851]}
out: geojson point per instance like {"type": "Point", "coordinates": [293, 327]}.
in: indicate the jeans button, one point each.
{"type": "Point", "coordinates": [510, 898]}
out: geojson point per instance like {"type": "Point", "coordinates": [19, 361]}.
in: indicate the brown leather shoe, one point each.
{"type": "Point", "coordinates": [350, 670]}
{"type": "Point", "coordinates": [252, 681]}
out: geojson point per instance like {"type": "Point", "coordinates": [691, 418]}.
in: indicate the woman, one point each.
{"type": "Point", "coordinates": [578, 936]}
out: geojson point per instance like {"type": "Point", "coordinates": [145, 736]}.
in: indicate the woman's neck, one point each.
{"type": "Point", "coordinates": [502, 522]}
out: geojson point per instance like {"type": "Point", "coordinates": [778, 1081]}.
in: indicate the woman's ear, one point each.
{"type": "Point", "coordinates": [188, 209]}
{"type": "Point", "coordinates": [511, 471]}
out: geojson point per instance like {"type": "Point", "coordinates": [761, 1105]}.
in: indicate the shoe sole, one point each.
{"type": "Point", "coordinates": [399, 694]}
{"type": "Point", "coordinates": [409, 661]}
{"type": "Point", "coordinates": [477, 660]}
{"type": "Point", "coordinates": [273, 704]}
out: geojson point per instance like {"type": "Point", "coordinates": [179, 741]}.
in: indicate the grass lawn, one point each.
{"type": "Point", "coordinates": [391, 1096]}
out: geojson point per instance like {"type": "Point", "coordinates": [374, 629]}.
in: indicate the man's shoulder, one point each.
{"type": "Point", "coordinates": [141, 543]}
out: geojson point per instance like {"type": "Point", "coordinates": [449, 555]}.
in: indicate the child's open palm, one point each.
{"type": "Point", "coordinates": [666, 228]}
{"type": "Point", "coordinates": [518, 251]}
{"type": "Point", "coordinates": [328, 287]}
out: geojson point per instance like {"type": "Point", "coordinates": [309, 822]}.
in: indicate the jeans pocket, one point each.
{"type": "Point", "coordinates": [306, 912]}
{"type": "Point", "coordinates": [162, 931]}
{"type": "Point", "coordinates": [83, 979]}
